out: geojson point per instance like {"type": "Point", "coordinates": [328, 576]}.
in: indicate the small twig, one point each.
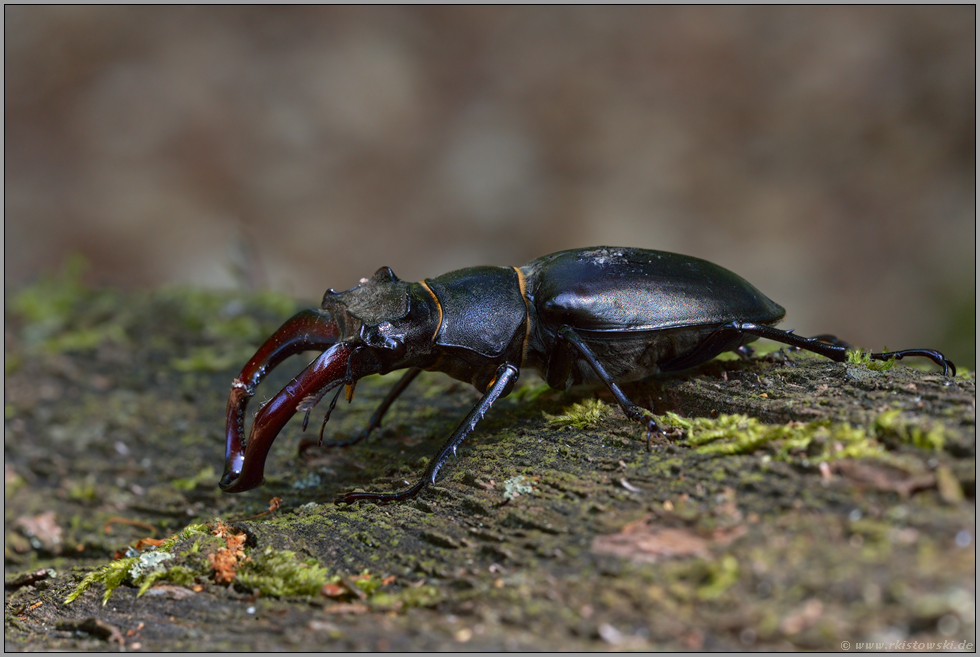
{"type": "Point", "coordinates": [126, 521]}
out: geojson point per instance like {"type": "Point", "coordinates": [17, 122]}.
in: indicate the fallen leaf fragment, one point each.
{"type": "Point", "coordinates": [885, 478]}
{"type": "Point", "coordinates": [347, 608]}
{"type": "Point", "coordinates": [642, 542]}
{"type": "Point", "coordinates": [144, 543]}
{"type": "Point", "coordinates": [43, 529]}
{"type": "Point", "coordinates": [333, 590]}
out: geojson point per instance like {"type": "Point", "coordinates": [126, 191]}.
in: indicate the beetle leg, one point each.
{"type": "Point", "coordinates": [831, 347]}
{"type": "Point", "coordinates": [823, 337]}
{"type": "Point", "coordinates": [506, 376]}
{"type": "Point", "coordinates": [632, 411]}
{"type": "Point", "coordinates": [375, 421]}
{"type": "Point", "coordinates": [725, 338]}
{"type": "Point", "coordinates": [832, 339]}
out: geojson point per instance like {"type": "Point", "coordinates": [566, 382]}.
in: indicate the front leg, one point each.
{"type": "Point", "coordinates": [506, 376]}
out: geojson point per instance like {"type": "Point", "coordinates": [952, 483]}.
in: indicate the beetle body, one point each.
{"type": "Point", "coordinates": [638, 310]}
{"type": "Point", "coordinates": [601, 315]}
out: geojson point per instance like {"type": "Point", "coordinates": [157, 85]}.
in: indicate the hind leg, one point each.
{"type": "Point", "coordinates": [829, 346]}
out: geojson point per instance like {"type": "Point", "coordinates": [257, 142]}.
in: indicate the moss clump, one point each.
{"type": "Point", "coordinates": [282, 573]}
{"type": "Point", "coordinates": [142, 569]}
{"type": "Point", "coordinates": [52, 299]}
{"type": "Point", "coordinates": [63, 314]}
{"type": "Point", "coordinates": [206, 359]}
{"type": "Point", "coordinates": [721, 575]}
{"type": "Point", "coordinates": [822, 440]}
{"type": "Point", "coordinates": [111, 576]}
{"type": "Point", "coordinates": [422, 596]}
{"type": "Point", "coordinates": [589, 414]}
{"type": "Point", "coordinates": [858, 357]}
{"type": "Point", "coordinates": [740, 434]}
{"type": "Point", "coordinates": [224, 316]}
{"type": "Point", "coordinates": [890, 424]}
{"type": "Point", "coordinates": [727, 434]}
{"type": "Point", "coordinates": [700, 579]}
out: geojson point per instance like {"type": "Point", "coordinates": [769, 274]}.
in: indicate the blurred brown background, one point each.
{"type": "Point", "coordinates": [825, 154]}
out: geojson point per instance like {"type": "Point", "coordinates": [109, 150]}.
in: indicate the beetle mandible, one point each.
{"type": "Point", "coordinates": [598, 315]}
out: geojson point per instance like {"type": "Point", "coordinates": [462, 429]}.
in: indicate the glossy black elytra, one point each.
{"type": "Point", "coordinates": [601, 314]}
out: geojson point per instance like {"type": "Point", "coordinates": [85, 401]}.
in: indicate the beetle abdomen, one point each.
{"type": "Point", "coordinates": [625, 289]}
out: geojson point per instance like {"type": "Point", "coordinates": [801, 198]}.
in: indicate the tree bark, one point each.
{"type": "Point", "coordinates": [856, 523]}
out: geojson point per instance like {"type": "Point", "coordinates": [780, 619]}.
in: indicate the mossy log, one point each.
{"type": "Point", "coordinates": [794, 503]}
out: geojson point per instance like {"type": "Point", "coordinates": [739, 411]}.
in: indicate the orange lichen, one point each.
{"type": "Point", "coordinates": [226, 560]}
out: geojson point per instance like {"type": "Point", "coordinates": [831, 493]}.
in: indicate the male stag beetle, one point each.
{"type": "Point", "coordinates": [594, 315]}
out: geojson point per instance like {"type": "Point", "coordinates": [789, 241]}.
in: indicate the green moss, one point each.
{"type": "Point", "coordinates": [241, 327]}
{"type": "Point", "coordinates": [88, 338]}
{"type": "Point", "coordinates": [369, 582]}
{"type": "Point", "coordinates": [590, 413]}
{"type": "Point", "coordinates": [83, 492]}
{"type": "Point", "coordinates": [111, 576]}
{"type": "Point", "coordinates": [282, 573]}
{"type": "Point", "coordinates": [209, 359]}
{"type": "Point", "coordinates": [930, 436]}
{"type": "Point", "coordinates": [422, 596]}
{"type": "Point", "coordinates": [180, 575]}
{"type": "Point", "coordinates": [275, 303]}
{"type": "Point", "coordinates": [187, 532]}
{"type": "Point", "coordinates": [224, 317]}
{"type": "Point", "coordinates": [858, 357]}
{"type": "Point", "coordinates": [721, 575]}
{"type": "Point", "coordinates": [63, 315]}
{"type": "Point", "coordinates": [52, 299]}
{"type": "Point", "coordinates": [817, 441]}
{"type": "Point", "coordinates": [141, 569]}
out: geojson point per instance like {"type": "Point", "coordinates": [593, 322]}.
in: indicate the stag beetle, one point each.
{"type": "Point", "coordinates": [598, 315]}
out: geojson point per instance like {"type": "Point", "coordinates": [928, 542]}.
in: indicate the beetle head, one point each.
{"type": "Point", "coordinates": [381, 325]}
{"type": "Point", "coordinates": [393, 318]}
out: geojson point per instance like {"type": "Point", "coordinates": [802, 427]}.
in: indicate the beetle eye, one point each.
{"type": "Point", "coordinates": [383, 336]}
